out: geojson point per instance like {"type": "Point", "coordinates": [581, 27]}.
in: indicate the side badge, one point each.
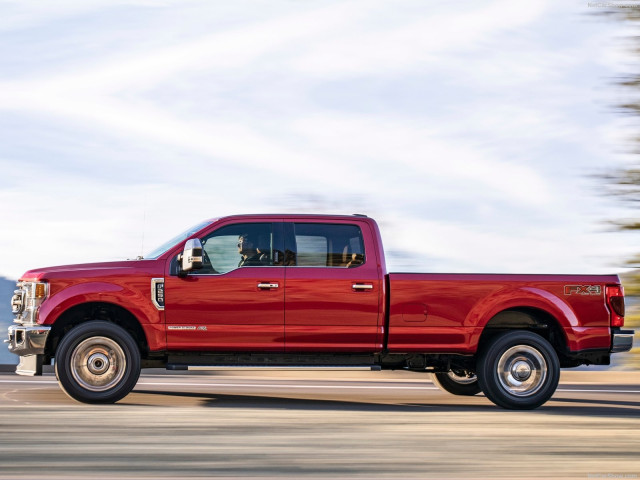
{"type": "Point", "coordinates": [582, 290]}
{"type": "Point", "coordinates": [157, 292]}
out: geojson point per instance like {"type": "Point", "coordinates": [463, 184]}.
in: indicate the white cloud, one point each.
{"type": "Point", "coordinates": [371, 47]}
{"type": "Point", "coordinates": [245, 127]}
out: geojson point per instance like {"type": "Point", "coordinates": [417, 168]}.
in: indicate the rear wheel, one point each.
{"type": "Point", "coordinates": [97, 362]}
{"type": "Point", "coordinates": [518, 370]}
{"type": "Point", "coordinates": [457, 382]}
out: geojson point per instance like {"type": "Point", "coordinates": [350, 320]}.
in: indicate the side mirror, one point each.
{"type": "Point", "coordinates": [191, 257]}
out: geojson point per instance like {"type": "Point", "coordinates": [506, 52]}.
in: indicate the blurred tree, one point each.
{"type": "Point", "coordinates": [625, 183]}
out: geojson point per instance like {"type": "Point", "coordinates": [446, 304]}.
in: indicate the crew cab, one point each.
{"type": "Point", "coordinates": [309, 290]}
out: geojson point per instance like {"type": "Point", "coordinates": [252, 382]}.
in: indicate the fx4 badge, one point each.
{"type": "Point", "coordinates": [582, 290]}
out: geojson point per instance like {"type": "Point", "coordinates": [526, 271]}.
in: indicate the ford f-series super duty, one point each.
{"type": "Point", "coordinates": [309, 290]}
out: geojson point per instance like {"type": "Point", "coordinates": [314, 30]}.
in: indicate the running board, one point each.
{"type": "Point", "coordinates": [190, 361]}
{"type": "Point", "coordinates": [171, 366]}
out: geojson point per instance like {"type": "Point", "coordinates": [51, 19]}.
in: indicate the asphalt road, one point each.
{"type": "Point", "coordinates": [319, 424]}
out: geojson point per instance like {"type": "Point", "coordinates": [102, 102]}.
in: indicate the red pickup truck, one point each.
{"type": "Point", "coordinates": [309, 290]}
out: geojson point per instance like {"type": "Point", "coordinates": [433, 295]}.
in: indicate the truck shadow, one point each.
{"type": "Point", "coordinates": [478, 404]}
{"type": "Point", "coordinates": [593, 407]}
{"type": "Point", "coordinates": [280, 402]}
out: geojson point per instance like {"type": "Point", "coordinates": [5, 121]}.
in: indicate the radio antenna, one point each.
{"type": "Point", "coordinates": [144, 221]}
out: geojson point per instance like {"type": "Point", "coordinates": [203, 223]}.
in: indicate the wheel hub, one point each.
{"type": "Point", "coordinates": [98, 363]}
{"type": "Point", "coordinates": [522, 370]}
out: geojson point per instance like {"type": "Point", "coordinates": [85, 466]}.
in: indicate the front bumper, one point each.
{"type": "Point", "coordinates": [28, 342]}
{"type": "Point", "coordinates": [622, 341]}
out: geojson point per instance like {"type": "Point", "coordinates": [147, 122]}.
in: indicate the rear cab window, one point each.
{"type": "Point", "coordinates": [324, 245]}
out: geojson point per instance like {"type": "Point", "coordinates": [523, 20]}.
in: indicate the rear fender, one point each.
{"type": "Point", "coordinates": [523, 297]}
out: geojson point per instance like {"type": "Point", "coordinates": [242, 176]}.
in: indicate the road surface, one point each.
{"type": "Point", "coordinates": [371, 425]}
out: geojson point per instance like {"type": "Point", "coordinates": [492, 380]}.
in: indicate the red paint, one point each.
{"type": "Point", "coordinates": [324, 313]}
{"type": "Point", "coordinates": [460, 305]}
{"type": "Point", "coordinates": [236, 314]}
{"type": "Point", "coordinates": [316, 309]}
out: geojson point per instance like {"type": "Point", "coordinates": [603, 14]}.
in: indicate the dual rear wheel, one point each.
{"type": "Point", "coordinates": [517, 370]}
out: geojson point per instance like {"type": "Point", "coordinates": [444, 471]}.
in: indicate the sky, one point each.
{"type": "Point", "coordinates": [472, 131]}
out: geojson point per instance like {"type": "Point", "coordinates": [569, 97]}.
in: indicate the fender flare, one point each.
{"type": "Point", "coordinates": [521, 297]}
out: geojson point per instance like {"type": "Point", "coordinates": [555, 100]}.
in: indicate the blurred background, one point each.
{"type": "Point", "coordinates": [492, 136]}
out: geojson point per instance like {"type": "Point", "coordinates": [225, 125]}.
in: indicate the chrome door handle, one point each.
{"type": "Point", "coordinates": [360, 286]}
{"type": "Point", "coordinates": [268, 285]}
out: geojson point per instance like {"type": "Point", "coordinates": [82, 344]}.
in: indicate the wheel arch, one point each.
{"type": "Point", "coordinates": [533, 319]}
{"type": "Point", "coordinates": [89, 311]}
{"type": "Point", "coordinates": [524, 308]}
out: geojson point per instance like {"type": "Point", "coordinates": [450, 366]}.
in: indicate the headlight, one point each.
{"type": "Point", "coordinates": [17, 302]}
{"type": "Point", "coordinates": [27, 300]}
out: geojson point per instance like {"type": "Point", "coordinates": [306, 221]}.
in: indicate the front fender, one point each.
{"type": "Point", "coordinates": [135, 300]}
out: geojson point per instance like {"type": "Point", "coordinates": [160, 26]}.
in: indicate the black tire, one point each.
{"type": "Point", "coordinates": [457, 382]}
{"type": "Point", "coordinates": [97, 362]}
{"type": "Point", "coordinates": [518, 370]}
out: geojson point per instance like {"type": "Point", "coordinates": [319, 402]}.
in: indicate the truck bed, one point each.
{"type": "Point", "coordinates": [448, 312]}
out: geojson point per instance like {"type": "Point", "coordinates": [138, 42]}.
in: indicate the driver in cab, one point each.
{"type": "Point", "coordinates": [250, 255]}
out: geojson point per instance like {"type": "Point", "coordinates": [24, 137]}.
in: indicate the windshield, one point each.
{"type": "Point", "coordinates": [178, 238]}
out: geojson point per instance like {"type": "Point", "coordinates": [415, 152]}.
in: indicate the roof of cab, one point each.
{"type": "Point", "coordinates": [292, 215]}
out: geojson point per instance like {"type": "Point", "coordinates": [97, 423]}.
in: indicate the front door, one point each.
{"type": "Point", "coordinates": [236, 301]}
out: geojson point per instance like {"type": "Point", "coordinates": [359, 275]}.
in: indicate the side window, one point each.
{"type": "Point", "coordinates": [239, 245]}
{"type": "Point", "coordinates": [325, 245]}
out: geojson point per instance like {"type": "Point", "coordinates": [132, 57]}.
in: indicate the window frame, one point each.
{"type": "Point", "coordinates": [291, 245]}
{"type": "Point", "coordinates": [278, 241]}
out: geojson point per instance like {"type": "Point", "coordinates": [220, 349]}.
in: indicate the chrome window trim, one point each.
{"type": "Point", "coordinates": [325, 266]}
{"type": "Point", "coordinates": [196, 274]}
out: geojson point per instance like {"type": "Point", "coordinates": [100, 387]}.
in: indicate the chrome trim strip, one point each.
{"type": "Point", "coordinates": [195, 273]}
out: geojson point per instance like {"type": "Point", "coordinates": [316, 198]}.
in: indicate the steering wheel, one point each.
{"type": "Point", "coordinates": [206, 262]}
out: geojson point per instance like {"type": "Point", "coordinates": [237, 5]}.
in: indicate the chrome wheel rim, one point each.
{"type": "Point", "coordinates": [461, 377]}
{"type": "Point", "coordinates": [522, 370]}
{"type": "Point", "coordinates": [98, 364]}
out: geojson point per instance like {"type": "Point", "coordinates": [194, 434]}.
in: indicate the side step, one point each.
{"type": "Point", "coordinates": [173, 366]}
{"type": "Point", "coordinates": [191, 361]}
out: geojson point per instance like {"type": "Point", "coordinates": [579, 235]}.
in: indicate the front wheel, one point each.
{"type": "Point", "coordinates": [457, 382]}
{"type": "Point", "coordinates": [97, 362]}
{"type": "Point", "coordinates": [518, 370]}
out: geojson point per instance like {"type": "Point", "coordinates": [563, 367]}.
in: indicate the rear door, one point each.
{"type": "Point", "coordinates": [333, 287]}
